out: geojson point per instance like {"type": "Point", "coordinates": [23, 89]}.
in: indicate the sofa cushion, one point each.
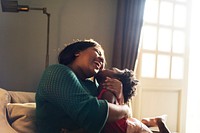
{"type": "Point", "coordinates": [4, 100]}
{"type": "Point", "coordinates": [22, 117]}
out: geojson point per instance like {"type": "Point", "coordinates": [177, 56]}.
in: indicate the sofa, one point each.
{"type": "Point", "coordinates": [17, 112]}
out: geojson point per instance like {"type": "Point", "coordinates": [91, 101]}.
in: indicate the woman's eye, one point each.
{"type": "Point", "coordinates": [98, 52]}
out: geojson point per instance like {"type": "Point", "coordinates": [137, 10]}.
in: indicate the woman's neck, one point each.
{"type": "Point", "coordinates": [77, 71]}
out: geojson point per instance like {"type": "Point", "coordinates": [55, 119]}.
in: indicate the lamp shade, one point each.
{"type": "Point", "coordinates": [12, 6]}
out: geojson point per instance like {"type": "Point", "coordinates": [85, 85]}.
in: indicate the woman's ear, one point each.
{"type": "Point", "coordinates": [77, 54]}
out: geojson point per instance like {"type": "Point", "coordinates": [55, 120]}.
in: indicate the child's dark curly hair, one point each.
{"type": "Point", "coordinates": [129, 84]}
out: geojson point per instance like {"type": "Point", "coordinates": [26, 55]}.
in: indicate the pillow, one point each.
{"type": "Point", "coordinates": [22, 117]}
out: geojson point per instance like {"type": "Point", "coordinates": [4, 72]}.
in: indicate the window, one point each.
{"type": "Point", "coordinates": [163, 40]}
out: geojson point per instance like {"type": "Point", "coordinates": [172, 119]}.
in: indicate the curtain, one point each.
{"type": "Point", "coordinates": [128, 28]}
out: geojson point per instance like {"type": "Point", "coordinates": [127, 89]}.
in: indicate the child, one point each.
{"type": "Point", "coordinates": [128, 82]}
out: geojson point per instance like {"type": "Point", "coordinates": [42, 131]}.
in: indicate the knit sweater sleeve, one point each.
{"type": "Point", "coordinates": [60, 86]}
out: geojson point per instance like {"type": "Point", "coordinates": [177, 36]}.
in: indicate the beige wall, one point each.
{"type": "Point", "coordinates": [23, 36]}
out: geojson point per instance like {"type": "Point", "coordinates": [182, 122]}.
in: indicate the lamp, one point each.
{"type": "Point", "coordinates": [12, 6]}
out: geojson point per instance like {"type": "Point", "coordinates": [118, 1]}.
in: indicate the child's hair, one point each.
{"type": "Point", "coordinates": [129, 83]}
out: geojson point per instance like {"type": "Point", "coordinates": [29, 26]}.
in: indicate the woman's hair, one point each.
{"type": "Point", "coordinates": [129, 83]}
{"type": "Point", "coordinates": [67, 55]}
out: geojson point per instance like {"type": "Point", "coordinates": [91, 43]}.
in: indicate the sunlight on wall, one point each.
{"type": "Point", "coordinates": [193, 108]}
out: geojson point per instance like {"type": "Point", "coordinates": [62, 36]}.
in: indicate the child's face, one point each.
{"type": "Point", "coordinates": [101, 76]}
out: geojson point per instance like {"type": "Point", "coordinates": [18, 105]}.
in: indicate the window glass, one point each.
{"type": "Point", "coordinates": [163, 66]}
{"type": "Point", "coordinates": [149, 37]}
{"type": "Point", "coordinates": [151, 11]}
{"type": "Point", "coordinates": [177, 68]}
{"type": "Point", "coordinates": [180, 16]}
{"type": "Point", "coordinates": [178, 41]}
{"type": "Point", "coordinates": [164, 39]}
{"type": "Point", "coordinates": [181, 0]}
{"type": "Point", "coordinates": [166, 13]}
{"type": "Point", "coordinates": [148, 65]}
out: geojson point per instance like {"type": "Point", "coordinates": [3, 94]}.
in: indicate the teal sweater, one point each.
{"type": "Point", "coordinates": [64, 101]}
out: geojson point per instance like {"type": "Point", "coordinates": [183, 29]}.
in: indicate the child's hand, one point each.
{"type": "Point", "coordinates": [115, 86]}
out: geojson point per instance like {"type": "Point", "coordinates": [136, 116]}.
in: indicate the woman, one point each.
{"type": "Point", "coordinates": [66, 97]}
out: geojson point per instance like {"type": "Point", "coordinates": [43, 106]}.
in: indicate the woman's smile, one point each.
{"type": "Point", "coordinates": [98, 64]}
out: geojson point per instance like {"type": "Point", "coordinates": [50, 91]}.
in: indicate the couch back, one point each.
{"type": "Point", "coordinates": [21, 97]}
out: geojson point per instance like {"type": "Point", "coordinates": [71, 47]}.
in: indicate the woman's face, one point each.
{"type": "Point", "coordinates": [90, 61]}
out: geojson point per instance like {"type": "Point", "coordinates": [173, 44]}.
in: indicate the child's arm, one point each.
{"type": "Point", "coordinates": [115, 86]}
{"type": "Point", "coordinates": [109, 96]}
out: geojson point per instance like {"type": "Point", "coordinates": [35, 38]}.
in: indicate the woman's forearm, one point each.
{"type": "Point", "coordinates": [117, 112]}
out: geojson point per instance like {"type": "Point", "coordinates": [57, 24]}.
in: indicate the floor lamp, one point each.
{"type": "Point", "coordinates": [12, 6]}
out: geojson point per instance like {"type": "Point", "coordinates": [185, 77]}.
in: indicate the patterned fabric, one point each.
{"type": "Point", "coordinates": [64, 101]}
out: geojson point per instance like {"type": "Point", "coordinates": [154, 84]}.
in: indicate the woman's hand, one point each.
{"type": "Point", "coordinates": [115, 86]}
